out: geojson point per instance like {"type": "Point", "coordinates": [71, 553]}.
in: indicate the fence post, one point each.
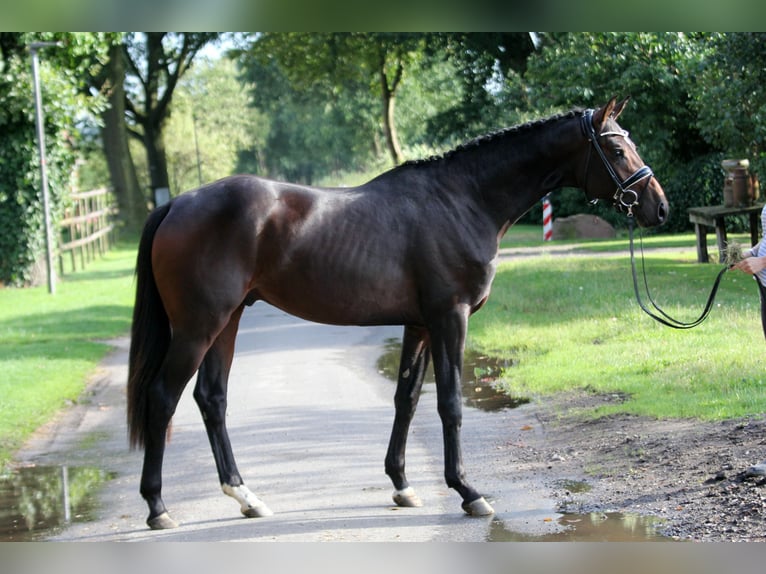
{"type": "Point", "coordinates": [88, 223]}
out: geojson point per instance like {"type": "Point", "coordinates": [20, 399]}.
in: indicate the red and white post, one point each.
{"type": "Point", "coordinates": [547, 219]}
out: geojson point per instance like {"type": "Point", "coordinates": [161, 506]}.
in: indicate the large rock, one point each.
{"type": "Point", "coordinates": [582, 226]}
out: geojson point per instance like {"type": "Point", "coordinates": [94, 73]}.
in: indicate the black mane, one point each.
{"type": "Point", "coordinates": [489, 138]}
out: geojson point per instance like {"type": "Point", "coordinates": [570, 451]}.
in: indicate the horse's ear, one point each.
{"type": "Point", "coordinates": [601, 115]}
{"type": "Point", "coordinates": [619, 107]}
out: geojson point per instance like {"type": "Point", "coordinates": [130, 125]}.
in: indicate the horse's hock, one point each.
{"type": "Point", "coordinates": [582, 226]}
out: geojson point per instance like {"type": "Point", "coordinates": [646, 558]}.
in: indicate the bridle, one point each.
{"type": "Point", "coordinates": [625, 198]}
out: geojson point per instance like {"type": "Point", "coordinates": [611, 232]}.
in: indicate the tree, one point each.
{"type": "Point", "coordinates": [110, 81]}
{"type": "Point", "coordinates": [212, 123]}
{"type": "Point", "coordinates": [332, 62]}
{"type": "Point", "coordinates": [388, 55]}
{"type": "Point", "coordinates": [156, 61]}
{"type": "Point", "coordinates": [315, 127]}
{"type": "Point", "coordinates": [657, 71]}
{"type": "Point", "coordinates": [729, 97]}
{"type": "Point", "coordinates": [486, 64]}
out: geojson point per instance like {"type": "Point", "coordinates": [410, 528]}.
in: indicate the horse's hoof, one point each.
{"type": "Point", "coordinates": [162, 522]}
{"type": "Point", "coordinates": [407, 497]}
{"type": "Point", "coordinates": [249, 504]}
{"type": "Point", "coordinates": [259, 511]}
{"type": "Point", "coordinates": [478, 507]}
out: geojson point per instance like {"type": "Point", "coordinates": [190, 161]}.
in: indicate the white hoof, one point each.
{"type": "Point", "coordinates": [407, 497]}
{"type": "Point", "coordinates": [250, 505]}
{"type": "Point", "coordinates": [478, 507]}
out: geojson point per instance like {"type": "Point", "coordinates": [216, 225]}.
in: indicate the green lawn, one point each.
{"type": "Point", "coordinates": [573, 323]}
{"type": "Point", "coordinates": [51, 343]}
{"type": "Point", "coordinates": [532, 236]}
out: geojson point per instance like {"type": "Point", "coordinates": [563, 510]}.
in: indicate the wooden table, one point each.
{"type": "Point", "coordinates": [715, 216]}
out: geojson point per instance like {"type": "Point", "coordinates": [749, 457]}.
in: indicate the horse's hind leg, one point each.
{"type": "Point", "coordinates": [412, 369]}
{"type": "Point", "coordinates": [210, 395]}
{"type": "Point", "coordinates": [183, 358]}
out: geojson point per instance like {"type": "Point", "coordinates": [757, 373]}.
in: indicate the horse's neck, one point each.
{"type": "Point", "coordinates": [515, 171]}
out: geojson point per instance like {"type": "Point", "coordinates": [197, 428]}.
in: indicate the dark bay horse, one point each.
{"type": "Point", "coordinates": [416, 246]}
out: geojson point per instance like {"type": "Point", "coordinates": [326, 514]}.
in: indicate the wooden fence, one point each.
{"type": "Point", "coordinates": [87, 227]}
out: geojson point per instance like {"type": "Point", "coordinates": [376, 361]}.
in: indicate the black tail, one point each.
{"type": "Point", "coordinates": [150, 333]}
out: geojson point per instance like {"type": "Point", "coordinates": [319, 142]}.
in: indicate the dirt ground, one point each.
{"type": "Point", "coordinates": [691, 474]}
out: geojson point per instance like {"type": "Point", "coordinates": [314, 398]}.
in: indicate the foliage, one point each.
{"type": "Point", "coordinates": [315, 90]}
{"type": "Point", "coordinates": [318, 124]}
{"type": "Point", "coordinates": [21, 208]}
{"type": "Point", "coordinates": [487, 66]}
{"type": "Point", "coordinates": [586, 69]}
{"type": "Point", "coordinates": [212, 123]}
{"type": "Point", "coordinates": [327, 95]}
{"type": "Point", "coordinates": [731, 103]}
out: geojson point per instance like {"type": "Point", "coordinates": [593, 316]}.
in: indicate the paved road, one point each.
{"type": "Point", "coordinates": [309, 419]}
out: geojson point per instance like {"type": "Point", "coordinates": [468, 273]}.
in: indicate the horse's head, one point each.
{"type": "Point", "coordinates": [619, 173]}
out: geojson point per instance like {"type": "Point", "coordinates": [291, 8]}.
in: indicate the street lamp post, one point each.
{"type": "Point", "coordinates": [49, 247]}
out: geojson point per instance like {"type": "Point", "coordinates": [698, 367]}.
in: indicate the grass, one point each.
{"type": "Point", "coordinates": [573, 323]}
{"type": "Point", "coordinates": [532, 236]}
{"type": "Point", "coordinates": [51, 343]}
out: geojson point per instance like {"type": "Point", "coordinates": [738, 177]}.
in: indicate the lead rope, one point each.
{"type": "Point", "coordinates": [663, 317]}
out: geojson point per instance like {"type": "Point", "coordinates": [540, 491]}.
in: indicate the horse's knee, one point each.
{"type": "Point", "coordinates": [450, 411]}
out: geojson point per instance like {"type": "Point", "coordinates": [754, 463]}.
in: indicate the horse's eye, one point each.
{"type": "Point", "coordinates": [619, 153]}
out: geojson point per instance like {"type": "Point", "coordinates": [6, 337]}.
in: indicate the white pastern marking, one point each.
{"type": "Point", "coordinates": [250, 505]}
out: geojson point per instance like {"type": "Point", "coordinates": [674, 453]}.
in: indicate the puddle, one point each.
{"type": "Point", "coordinates": [479, 375]}
{"type": "Point", "coordinates": [36, 501]}
{"type": "Point", "coordinates": [591, 527]}
{"type": "Point", "coordinates": [573, 486]}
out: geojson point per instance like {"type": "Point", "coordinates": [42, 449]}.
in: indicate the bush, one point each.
{"type": "Point", "coordinates": [22, 230]}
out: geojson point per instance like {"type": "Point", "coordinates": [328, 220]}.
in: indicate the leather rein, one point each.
{"type": "Point", "coordinates": [625, 199]}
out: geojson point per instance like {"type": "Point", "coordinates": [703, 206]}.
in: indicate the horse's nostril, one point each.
{"type": "Point", "coordinates": [662, 212]}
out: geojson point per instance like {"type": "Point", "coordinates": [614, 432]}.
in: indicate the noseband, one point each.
{"type": "Point", "coordinates": [625, 198]}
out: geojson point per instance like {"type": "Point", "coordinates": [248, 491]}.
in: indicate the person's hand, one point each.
{"type": "Point", "coordinates": [751, 265]}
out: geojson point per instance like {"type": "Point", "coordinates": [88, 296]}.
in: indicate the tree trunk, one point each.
{"type": "Point", "coordinates": [155, 109]}
{"type": "Point", "coordinates": [392, 139]}
{"type": "Point", "coordinates": [158, 164]}
{"type": "Point", "coordinates": [130, 198]}
{"type": "Point", "coordinates": [388, 91]}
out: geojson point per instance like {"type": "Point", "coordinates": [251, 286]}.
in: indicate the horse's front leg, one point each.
{"type": "Point", "coordinates": [412, 370]}
{"type": "Point", "coordinates": [210, 395]}
{"type": "Point", "coordinates": [447, 346]}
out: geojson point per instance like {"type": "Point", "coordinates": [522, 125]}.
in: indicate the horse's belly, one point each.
{"type": "Point", "coordinates": [343, 300]}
